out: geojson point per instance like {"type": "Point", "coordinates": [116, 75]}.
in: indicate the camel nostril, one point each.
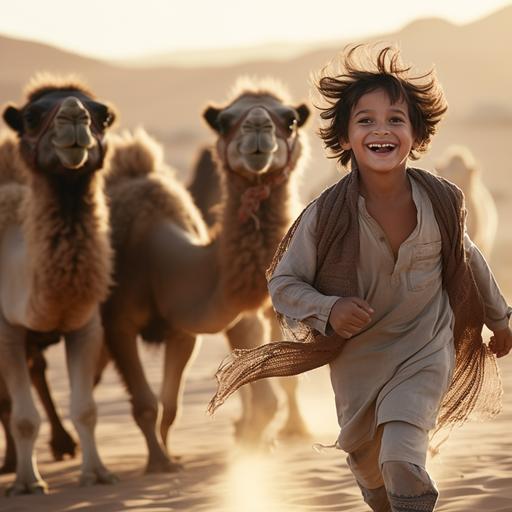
{"type": "Point", "coordinates": [72, 110]}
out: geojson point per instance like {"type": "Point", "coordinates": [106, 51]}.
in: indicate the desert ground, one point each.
{"type": "Point", "coordinates": [473, 469]}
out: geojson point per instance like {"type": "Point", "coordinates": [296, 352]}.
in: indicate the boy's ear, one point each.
{"type": "Point", "coordinates": [345, 145]}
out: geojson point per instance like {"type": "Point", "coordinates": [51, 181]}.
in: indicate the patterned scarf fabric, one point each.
{"type": "Point", "coordinates": [476, 384]}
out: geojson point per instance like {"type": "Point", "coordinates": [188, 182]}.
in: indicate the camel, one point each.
{"type": "Point", "coordinates": [459, 166]}
{"type": "Point", "coordinates": [55, 260]}
{"type": "Point", "coordinates": [174, 277]}
{"type": "Point", "coordinates": [205, 188]}
{"type": "Point", "coordinates": [61, 443]}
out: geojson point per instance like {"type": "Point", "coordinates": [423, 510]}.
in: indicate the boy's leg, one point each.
{"type": "Point", "coordinates": [402, 458]}
{"type": "Point", "coordinates": [364, 464]}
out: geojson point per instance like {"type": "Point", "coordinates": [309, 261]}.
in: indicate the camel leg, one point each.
{"type": "Point", "coordinates": [178, 351]}
{"type": "Point", "coordinates": [259, 402]}
{"type": "Point", "coordinates": [82, 352]}
{"type": "Point", "coordinates": [9, 465]}
{"type": "Point", "coordinates": [61, 442]}
{"type": "Point", "coordinates": [295, 426]}
{"type": "Point", "coordinates": [122, 344]}
{"type": "Point", "coordinates": [25, 419]}
{"type": "Point", "coordinates": [103, 361]}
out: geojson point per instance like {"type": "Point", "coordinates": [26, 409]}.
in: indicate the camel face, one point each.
{"type": "Point", "coordinates": [61, 131]}
{"type": "Point", "coordinates": [257, 133]}
{"type": "Point", "coordinates": [458, 171]}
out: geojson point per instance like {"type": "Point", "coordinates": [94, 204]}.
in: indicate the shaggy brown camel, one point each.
{"type": "Point", "coordinates": [205, 189]}
{"type": "Point", "coordinates": [61, 442]}
{"type": "Point", "coordinates": [174, 279]}
{"type": "Point", "coordinates": [55, 261]}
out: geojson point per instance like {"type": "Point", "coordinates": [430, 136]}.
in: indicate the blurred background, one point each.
{"type": "Point", "coordinates": [161, 61]}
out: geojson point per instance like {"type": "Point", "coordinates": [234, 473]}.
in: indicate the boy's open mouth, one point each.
{"type": "Point", "coordinates": [381, 148]}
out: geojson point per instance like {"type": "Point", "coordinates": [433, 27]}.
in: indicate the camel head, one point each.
{"type": "Point", "coordinates": [257, 133]}
{"type": "Point", "coordinates": [458, 166]}
{"type": "Point", "coordinates": [61, 128]}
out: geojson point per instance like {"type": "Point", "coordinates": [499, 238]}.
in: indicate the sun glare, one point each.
{"type": "Point", "coordinates": [164, 26]}
{"type": "Point", "coordinates": [253, 482]}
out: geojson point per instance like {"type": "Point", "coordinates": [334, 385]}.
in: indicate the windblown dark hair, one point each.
{"type": "Point", "coordinates": [341, 89]}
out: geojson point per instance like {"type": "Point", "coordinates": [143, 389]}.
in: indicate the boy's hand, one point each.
{"type": "Point", "coordinates": [501, 342]}
{"type": "Point", "coordinates": [349, 316]}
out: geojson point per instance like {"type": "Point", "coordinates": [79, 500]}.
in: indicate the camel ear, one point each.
{"type": "Point", "coordinates": [211, 114]}
{"type": "Point", "coordinates": [303, 111]}
{"type": "Point", "coordinates": [12, 116]}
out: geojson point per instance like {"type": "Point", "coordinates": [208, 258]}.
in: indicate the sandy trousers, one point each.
{"type": "Point", "coordinates": [390, 469]}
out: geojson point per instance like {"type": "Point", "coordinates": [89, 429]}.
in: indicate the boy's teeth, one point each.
{"type": "Point", "coordinates": [381, 145]}
{"type": "Point", "coordinates": [381, 148]}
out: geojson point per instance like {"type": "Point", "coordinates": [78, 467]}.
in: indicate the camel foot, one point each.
{"type": "Point", "coordinates": [164, 465]}
{"type": "Point", "coordinates": [250, 438]}
{"type": "Point", "coordinates": [296, 430]}
{"type": "Point", "coordinates": [98, 476]}
{"type": "Point", "coordinates": [62, 444]}
{"type": "Point", "coordinates": [19, 488]}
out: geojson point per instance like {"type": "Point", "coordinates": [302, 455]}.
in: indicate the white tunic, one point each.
{"type": "Point", "coordinates": [399, 367]}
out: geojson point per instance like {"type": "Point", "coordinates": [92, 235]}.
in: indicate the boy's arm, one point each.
{"type": "Point", "coordinates": [291, 283]}
{"type": "Point", "coordinates": [497, 311]}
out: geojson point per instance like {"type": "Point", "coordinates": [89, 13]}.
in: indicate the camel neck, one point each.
{"type": "Point", "coordinates": [72, 197]}
{"type": "Point", "coordinates": [247, 246]}
{"type": "Point", "coordinates": [66, 232]}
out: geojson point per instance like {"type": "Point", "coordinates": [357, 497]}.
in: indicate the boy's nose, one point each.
{"type": "Point", "coordinates": [380, 131]}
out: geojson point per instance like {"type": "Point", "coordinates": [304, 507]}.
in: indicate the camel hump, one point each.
{"type": "Point", "coordinates": [134, 155]}
{"type": "Point", "coordinates": [11, 165]}
{"type": "Point", "coordinates": [205, 187]}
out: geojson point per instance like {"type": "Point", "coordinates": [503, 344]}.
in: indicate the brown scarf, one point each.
{"type": "Point", "coordinates": [476, 385]}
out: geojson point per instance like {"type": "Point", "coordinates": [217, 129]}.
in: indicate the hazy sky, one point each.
{"type": "Point", "coordinates": [126, 28]}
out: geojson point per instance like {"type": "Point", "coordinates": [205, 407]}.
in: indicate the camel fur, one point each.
{"type": "Point", "coordinates": [55, 258]}
{"type": "Point", "coordinates": [459, 166]}
{"type": "Point", "coordinates": [175, 278]}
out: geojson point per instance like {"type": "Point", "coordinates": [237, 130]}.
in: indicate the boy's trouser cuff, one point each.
{"type": "Point", "coordinates": [423, 503]}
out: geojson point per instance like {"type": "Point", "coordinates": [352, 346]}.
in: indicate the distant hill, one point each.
{"type": "Point", "coordinates": [472, 61]}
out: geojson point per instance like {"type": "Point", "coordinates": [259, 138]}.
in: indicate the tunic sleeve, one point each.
{"type": "Point", "coordinates": [291, 283]}
{"type": "Point", "coordinates": [497, 311]}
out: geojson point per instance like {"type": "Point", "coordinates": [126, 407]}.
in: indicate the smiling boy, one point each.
{"type": "Point", "coordinates": [380, 278]}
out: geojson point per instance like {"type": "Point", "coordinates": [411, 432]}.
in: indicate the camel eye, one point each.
{"type": "Point", "coordinates": [109, 119]}
{"type": "Point", "coordinates": [290, 121]}
{"type": "Point", "coordinates": [32, 116]}
{"type": "Point", "coordinates": [224, 122]}
{"type": "Point", "coordinates": [102, 115]}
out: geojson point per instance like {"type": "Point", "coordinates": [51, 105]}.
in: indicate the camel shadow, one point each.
{"type": "Point", "coordinates": [184, 490]}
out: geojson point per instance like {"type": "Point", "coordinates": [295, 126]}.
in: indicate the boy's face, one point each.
{"type": "Point", "coordinates": [380, 134]}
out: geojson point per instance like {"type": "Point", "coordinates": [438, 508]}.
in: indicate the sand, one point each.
{"type": "Point", "coordinates": [473, 469]}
